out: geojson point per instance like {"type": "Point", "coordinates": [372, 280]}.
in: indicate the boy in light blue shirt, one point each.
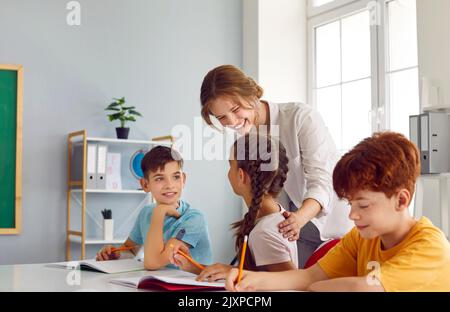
{"type": "Point", "coordinates": [168, 222]}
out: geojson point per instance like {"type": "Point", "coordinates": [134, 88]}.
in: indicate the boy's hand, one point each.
{"type": "Point", "coordinates": [106, 254]}
{"type": "Point", "coordinates": [177, 259]}
{"type": "Point", "coordinates": [250, 281]}
{"type": "Point", "coordinates": [170, 210]}
{"type": "Point", "coordinates": [214, 272]}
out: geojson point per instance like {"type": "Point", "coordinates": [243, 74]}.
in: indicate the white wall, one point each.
{"type": "Point", "coordinates": [275, 51]}
{"type": "Point", "coordinates": [433, 25]}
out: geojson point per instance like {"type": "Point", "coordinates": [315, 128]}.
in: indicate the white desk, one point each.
{"type": "Point", "coordinates": [38, 277]}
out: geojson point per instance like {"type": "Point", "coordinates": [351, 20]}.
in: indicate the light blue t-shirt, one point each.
{"type": "Point", "coordinates": [191, 227]}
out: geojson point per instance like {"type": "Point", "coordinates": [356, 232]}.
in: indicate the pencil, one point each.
{"type": "Point", "coordinates": [114, 250]}
{"type": "Point", "coordinates": [198, 265]}
{"type": "Point", "coordinates": [241, 263]}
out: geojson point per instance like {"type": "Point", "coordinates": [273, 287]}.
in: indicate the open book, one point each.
{"type": "Point", "coordinates": [110, 267]}
{"type": "Point", "coordinates": [168, 280]}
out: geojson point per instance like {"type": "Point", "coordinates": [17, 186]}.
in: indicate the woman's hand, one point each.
{"type": "Point", "coordinates": [290, 228]}
{"type": "Point", "coordinates": [250, 281]}
{"type": "Point", "coordinates": [214, 272]}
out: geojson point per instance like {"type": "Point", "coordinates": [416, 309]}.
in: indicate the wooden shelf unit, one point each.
{"type": "Point", "coordinates": [80, 236]}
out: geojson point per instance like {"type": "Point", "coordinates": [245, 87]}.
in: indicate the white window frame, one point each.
{"type": "Point", "coordinates": [379, 52]}
{"type": "Point", "coordinates": [313, 11]}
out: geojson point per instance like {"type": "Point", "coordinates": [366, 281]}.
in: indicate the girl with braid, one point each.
{"type": "Point", "coordinates": [258, 170]}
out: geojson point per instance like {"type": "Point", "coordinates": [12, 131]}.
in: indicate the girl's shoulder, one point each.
{"type": "Point", "coordinates": [268, 224]}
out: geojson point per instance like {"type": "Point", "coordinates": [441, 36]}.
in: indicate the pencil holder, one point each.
{"type": "Point", "coordinates": [108, 229]}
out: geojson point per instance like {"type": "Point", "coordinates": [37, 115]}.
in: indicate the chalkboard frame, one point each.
{"type": "Point", "coordinates": [19, 127]}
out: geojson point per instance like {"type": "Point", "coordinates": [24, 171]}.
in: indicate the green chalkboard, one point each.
{"type": "Point", "coordinates": [10, 148]}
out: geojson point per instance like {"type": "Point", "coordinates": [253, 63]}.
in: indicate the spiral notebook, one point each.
{"type": "Point", "coordinates": [168, 280]}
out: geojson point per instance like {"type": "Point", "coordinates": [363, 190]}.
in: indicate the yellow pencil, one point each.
{"type": "Point", "coordinates": [241, 263]}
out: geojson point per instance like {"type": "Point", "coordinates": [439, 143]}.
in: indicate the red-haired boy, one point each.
{"type": "Point", "coordinates": [388, 250]}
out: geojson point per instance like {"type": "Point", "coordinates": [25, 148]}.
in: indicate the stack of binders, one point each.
{"type": "Point", "coordinates": [430, 133]}
{"type": "Point", "coordinates": [96, 165]}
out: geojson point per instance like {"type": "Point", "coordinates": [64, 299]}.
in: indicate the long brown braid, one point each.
{"type": "Point", "coordinates": [265, 161]}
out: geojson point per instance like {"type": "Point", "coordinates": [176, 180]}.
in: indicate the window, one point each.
{"type": "Point", "coordinates": [402, 72]}
{"type": "Point", "coordinates": [363, 67]}
{"type": "Point", "coordinates": [318, 3]}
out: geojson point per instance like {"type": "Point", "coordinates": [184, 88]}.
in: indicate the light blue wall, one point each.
{"type": "Point", "coordinates": [154, 52]}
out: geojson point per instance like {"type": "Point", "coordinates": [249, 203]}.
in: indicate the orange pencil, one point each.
{"type": "Point", "coordinates": [241, 263]}
{"type": "Point", "coordinates": [198, 265]}
{"type": "Point", "coordinates": [114, 250]}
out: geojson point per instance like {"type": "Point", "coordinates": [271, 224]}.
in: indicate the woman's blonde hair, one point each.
{"type": "Point", "coordinates": [229, 81]}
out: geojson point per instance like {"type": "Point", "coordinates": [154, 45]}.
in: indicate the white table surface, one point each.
{"type": "Point", "coordinates": [38, 277]}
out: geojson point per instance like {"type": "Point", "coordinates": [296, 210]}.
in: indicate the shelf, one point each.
{"type": "Point", "coordinates": [77, 188]}
{"type": "Point", "coordinates": [110, 191]}
{"type": "Point", "coordinates": [94, 241]}
{"type": "Point", "coordinates": [442, 108]}
{"type": "Point", "coordinates": [121, 141]}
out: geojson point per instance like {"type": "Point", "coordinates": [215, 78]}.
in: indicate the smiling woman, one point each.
{"type": "Point", "coordinates": [233, 100]}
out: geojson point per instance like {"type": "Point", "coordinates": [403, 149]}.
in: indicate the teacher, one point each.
{"type": "Point", "coordinates": [315, 213]}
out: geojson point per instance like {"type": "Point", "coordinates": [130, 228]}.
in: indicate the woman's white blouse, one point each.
{"type": "Point", "coordinates": [312, 157]}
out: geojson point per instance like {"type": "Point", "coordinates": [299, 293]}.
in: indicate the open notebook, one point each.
{"type": "Point", "coordinates": [110, 267]}
{"type": "Point", "coordinates": [168, 280]}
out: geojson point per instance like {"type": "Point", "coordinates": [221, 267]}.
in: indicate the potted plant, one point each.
{"type": "Point", "coordinates": [122, 113]}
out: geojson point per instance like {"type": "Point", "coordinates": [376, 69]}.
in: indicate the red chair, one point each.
{"type": "Point", "coordinates": [320, 252]}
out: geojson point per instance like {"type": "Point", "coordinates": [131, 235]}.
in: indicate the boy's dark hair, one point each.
{"type": "Point", "coordinates": [158, 157]}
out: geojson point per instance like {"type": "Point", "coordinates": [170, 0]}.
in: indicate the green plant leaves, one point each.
{"type": "Point", "coordinates": [124, 113]}
{"type": "Point", "coordinates": [133, 112]}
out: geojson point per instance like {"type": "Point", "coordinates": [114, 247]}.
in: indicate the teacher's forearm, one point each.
{"type": "Point", "coordinates": [309, 209]}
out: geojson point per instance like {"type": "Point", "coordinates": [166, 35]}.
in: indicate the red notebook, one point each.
{"type": "Point", "coordinates": [168, 280]}
{"type": "Point", "coordinates": [164, 286]}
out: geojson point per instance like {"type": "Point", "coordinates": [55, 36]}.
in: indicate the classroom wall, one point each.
{"type": "Point", "coordinates": [433, 28]}
{"type": "Point", "coordinates": [275, 47]}
{"type": "Point", "coordinates": [155, 53]}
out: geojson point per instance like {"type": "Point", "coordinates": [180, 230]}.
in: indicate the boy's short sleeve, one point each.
{"type": "Point", "coordinates": [340, 261]}
{"type": "Point", "coordinates": [424, 266]}
{"type": "Point", "coordinates": [194, 228]}
{"type": "Point", "coordinates": [135, 234]}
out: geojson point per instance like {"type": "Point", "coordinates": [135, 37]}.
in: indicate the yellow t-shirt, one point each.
{"type": "Point", "coordinates": [421, 262]}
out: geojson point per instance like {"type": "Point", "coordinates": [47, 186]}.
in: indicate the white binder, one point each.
{"type": "Point", "coordinates": [91, 166]}
{"type": "Point", "coordinates": [102, 150]}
